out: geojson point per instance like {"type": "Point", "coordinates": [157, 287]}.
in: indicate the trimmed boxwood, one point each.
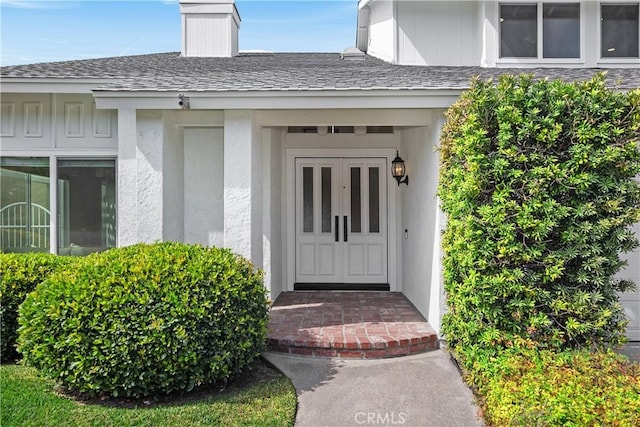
{"type": "Point", "coordinates": [537, 182]}
{"type": "Point", "coordinates": [20, 273]}
{"type": "Point", "coordinates": [146, 320]}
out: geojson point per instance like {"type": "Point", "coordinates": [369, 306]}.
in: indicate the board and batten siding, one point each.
{"type": "Point", "coordinates": [382, 31]}
{"type": "Point", "coordinates": [439, 33]}
{"type": "Point", "coordinates": [210, 35]}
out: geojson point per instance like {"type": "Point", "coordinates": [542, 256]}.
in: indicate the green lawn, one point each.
{"type": "Point", "coordinates": [262, 397]}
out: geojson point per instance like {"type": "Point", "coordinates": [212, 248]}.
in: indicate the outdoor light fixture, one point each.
{"type": "Point", "coordinates": [398, 170]}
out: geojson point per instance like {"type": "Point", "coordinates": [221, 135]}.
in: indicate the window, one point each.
{"type": "Point", "coordinates": [561, 30]}
{"type": "Point", "coordinates": [518, 31]}
{"type": "Point", "coordinates": [553, 26]}
{"type": "Point", "coordinates": [24, 204]}
{"type": "Point", "coordinates": [619, 30]}
{"type": "Point", "coordinates": [86, 206]}
{"type": "Point", "coordinates": [85, 198]}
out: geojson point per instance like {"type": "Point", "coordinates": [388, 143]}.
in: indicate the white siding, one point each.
{"type": "Point", "coordinates": [631, 300]}
{"type": "Point", "coordinates": [56, 121]}
{"type": "Point", "coordinates": [382, 37]}
{"type": "Point", "coordinates": [209, 35]}
{"type": "Point", "coordinates": [438, 33]}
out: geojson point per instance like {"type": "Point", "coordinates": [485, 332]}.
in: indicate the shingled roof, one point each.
{"type": "Point", "coordinates": [282, 72]}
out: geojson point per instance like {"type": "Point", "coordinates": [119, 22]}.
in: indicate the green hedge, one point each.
{"type": "Point", "coordinates": [19, 275]}
{"type": "Point", "coordinates": [537, 181]}
{"type": "Point", "coordinates": [145, 320]}
{"type": "Point", "coordinates": [571, 388]}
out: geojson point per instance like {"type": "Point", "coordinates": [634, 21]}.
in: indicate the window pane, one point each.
{"type": "Point", "coordinates": [619, 31]}
{"type": "Point", "coordinates": [326, 200]}
{"type": "Point", "coordinates": [518, 31]}
{"type": "Point", "coordinates": [561, 30]}
{"type": "Point", "coordinates": [307, 200]}
{"type": "Point", "coordinates": [374, 200]}
{"type": "Point", "coordinates": [356, 205]}
{"type": "Point", "coordinates": [86, 206]}
{"type": "Point", "coordinates": [24, 204]}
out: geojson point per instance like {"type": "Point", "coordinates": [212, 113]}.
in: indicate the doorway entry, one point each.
{"type": "Point", "coordinates": [341, 223]}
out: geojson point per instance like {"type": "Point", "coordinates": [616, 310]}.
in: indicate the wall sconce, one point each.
{"type": "Point", "coordinates": [399, 170]}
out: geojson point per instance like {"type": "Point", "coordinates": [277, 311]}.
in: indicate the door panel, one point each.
{"type": "Point", "coordinates": [317, 201]}
{"type": "Point", "coordinates": [341, 220]}
{"type": "Point", "coordinates": [365, 259]}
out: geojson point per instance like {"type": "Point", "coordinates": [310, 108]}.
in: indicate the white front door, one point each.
{"type": "Point", "coordinates": [341, 220]}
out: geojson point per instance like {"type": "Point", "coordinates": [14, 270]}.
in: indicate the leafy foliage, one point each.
{"type": "Point", "coordinates": [146, 319]}
{"type": "Point", "coordinates": [19, 275]}
{"type": "Point", "coordinates": [534, 388]}
{"type": "Point", "coordinates": [537, 181]}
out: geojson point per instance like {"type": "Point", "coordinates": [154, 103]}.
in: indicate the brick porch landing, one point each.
{"type": "Point", "coordinates": [363, 325]}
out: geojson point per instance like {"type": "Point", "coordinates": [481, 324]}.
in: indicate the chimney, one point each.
{"type": "Point", "coordinates": [209, 28]}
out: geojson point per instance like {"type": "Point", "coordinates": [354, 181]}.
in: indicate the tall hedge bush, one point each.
{"type": "Point", "coordinates": [537, 181]}
{"type": "Point", "coordinates": [146, 320]}
{"type": "Point", "coordinates": [19, 275]}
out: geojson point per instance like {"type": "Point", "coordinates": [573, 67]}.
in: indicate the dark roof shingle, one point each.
{"type": "Point", "coordinates": [283, 72]}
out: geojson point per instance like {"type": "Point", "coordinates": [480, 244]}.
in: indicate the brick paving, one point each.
{"type": "Point", "coordinates": [363, 325]}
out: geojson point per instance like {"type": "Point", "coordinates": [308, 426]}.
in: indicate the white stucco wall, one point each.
{"type": "Point", "coordinates": [272, 211]}
{"type": "Point", "coordinates": [422, 219]}
{"type": "Point", "coordinates": [419, 210]}
{"type": "Point", "coordinates": [149, 162]}
{"type": "Point", "coordinates": [173, 179]}
{"type": "Point", "coordinates": [243, 185]}
{"type": "Point", "coordinates": [203, 186]}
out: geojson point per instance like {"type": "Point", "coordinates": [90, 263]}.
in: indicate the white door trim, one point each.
{"type": "Point", "coordinates": [289, 220]}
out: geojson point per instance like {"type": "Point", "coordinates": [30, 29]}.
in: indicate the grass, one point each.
{"type": "Point", "coordinates": [261, 397]}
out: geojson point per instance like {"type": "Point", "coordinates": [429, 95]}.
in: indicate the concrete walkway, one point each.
{"type": "Point", "coordinates": [422, 390]}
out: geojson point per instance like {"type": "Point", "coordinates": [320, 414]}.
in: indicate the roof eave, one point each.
{"type": "Point", "coordinates": [50, 85]}
{"type": "Point", "coordinates": [281, 99]}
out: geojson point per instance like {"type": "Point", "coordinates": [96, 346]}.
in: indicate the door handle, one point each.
{"type": "Point", "coordinates": [345, 228]}
{"type": "Point", "coordinates": [337, 228]}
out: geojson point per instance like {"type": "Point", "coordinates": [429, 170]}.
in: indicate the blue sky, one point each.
{"type": "Point", "coordinates": [54, 30]}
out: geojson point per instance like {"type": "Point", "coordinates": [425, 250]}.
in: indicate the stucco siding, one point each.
{"type": "Point", "coordinates": [419, 211]}
{"type": "Point", "coordinates": [203, 186]}
{"type": "Point", "coordinates": [173, 181]}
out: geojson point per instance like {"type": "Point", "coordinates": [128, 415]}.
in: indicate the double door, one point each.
{"type": "Point", "coordinates": [341, 220]}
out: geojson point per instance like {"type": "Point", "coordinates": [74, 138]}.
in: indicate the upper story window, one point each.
{"type": "Point", "coordinates": [540, 30]}
{"type": "Point", "coordinates": [619, 35]}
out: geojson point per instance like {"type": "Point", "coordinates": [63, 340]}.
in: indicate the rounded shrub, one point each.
{"type": "Point", "coordinates": [20, 273]}
{"type": "Point", "coordinates": [145, 320]}
{"type": "Point", "coordinates": [537, 179]}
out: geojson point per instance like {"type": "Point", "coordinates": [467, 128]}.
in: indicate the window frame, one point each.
{"type": "Point", "coordinates": [539, 59]}
{"type": "Point", "coordinates": [99, 154]}
{"type": "Point", "coordinates": [613, 60]}
{"type": "Point", "coordinates": [63, 158]}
